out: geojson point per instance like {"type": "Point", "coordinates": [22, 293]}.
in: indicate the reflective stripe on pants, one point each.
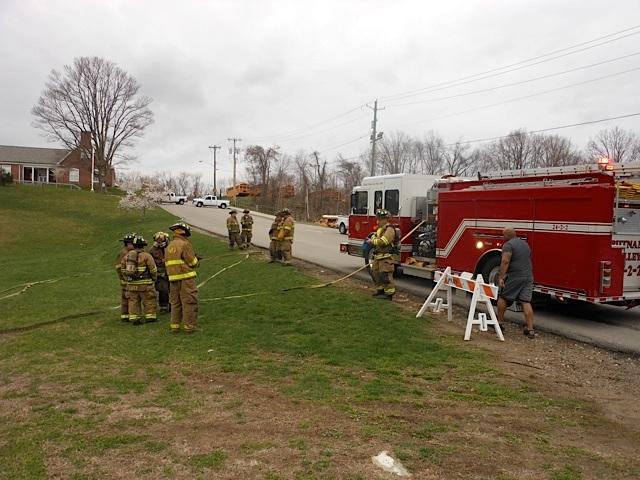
{"type": "Point", "coordinates": [183, 296]}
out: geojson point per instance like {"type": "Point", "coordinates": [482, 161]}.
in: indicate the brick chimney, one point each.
{"type": "Point", "coordinates": [85, 140]}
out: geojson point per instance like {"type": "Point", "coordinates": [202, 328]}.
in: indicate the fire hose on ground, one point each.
{"type": "Point", "coordinates": [26, 286]}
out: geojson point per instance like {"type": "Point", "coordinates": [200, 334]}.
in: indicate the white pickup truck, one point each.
{"type": "Point", "coordinates": [171, 197]}
{"type": "Point", "coordinates": [342, 224]}
{"type": "Point", "coordinates": [211, 201]}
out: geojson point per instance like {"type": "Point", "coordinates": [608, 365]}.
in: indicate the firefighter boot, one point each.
{"type": "Point", "coordinates": [378, 293]}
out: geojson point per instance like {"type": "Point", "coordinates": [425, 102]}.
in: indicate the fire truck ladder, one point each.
{"type": "Point", "coordinates": [621, 170]}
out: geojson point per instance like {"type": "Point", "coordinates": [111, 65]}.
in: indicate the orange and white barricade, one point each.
{"type": "Point", "coordinates": [482, 292]}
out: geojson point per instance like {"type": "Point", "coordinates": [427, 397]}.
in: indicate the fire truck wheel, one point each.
{"type": "Point", "coordinates": [491, 269]}
{"type": "Point", "coordinates": [342, 229]}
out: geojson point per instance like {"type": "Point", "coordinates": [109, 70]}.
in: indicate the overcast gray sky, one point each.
{"type": "Point", "coordinates": [268, 71]}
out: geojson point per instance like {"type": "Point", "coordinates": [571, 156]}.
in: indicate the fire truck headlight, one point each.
{"type": "Point", "coordinates": [479, 244]}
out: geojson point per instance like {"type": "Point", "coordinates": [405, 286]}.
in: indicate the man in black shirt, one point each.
{"type": "Point", "coordinates": [516, 278]}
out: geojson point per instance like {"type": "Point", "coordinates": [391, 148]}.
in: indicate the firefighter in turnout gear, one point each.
{"type": "Point", "coordinates": [127, 240]}
{"type": "Point", "coordinates": [285, 236]}
{"type": "Point", "coordinates": [382, 243]}
{"type": "Point", "coordinates": [141, 273]}
{"type": "Point", "coordinates": [180, 262]}
{"type": "Point", "coordinates": [247, 228]}
{"type": "Point", "coordinates": [233, 227]}
{"type": "Point", "coordinates": [160, 241]}
{"type": "Point", "coordinates": [274, 245]}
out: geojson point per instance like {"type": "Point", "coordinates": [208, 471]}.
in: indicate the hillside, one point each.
{"type": "Point", "coordinates": [302, 384]}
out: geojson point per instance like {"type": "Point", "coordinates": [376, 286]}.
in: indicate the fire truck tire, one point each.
{"type": "Point", "coordinates": [491, 269]}
{"type": "Point", "coordinates": [342, 229]}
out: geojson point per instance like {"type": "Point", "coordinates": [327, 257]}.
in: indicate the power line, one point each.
{"type": "Point", "coordinates": [590, 122]}
{"type": "Point", "coordinates": [325, 130]}
{"type": "Point", "coordinates": [282, 137]}
{"type": "Point", "coordinates": [313, 126]}
{"type": "Point", "coordinates": [343, 144]}
{"type": "Point", "coordinates": [528, 96]}
{"type": "Point", "coordinates": [519, 66]}
{"type": "Point", "coordinates": [521, 82]}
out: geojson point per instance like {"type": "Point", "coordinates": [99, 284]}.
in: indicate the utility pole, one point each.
{"type": "Point", "coordinates": [374, 136]}
{"type": "Point", "coordinates": [235, 150]}
{"type": "Point", "coordinates": [215, 167]}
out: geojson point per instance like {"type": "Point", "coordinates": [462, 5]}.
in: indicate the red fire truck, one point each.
{"type": "Point", "coordinates": [581, 222]}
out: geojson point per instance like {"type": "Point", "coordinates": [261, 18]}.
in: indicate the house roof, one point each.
{"type": "Point", "coordinates": [42, 156]}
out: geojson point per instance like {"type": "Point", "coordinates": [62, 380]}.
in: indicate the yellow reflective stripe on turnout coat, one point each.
{"type": "Point", "coordinates": [180, 259]}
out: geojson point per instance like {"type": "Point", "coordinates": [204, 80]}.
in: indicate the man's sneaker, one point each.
{"type": "Point", "coordinates": [378, 293]}
{"type": "Point", "coordinates": [529, 333]}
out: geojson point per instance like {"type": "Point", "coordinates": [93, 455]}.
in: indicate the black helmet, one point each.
{"type": "Point", "coordinates": [285, 211]}
{"type": "Point", "coordinates": [382, 213]}
{"type": "Point", "coordinates": [139, 241]}
{"type": "Point", "coordinates": [128, 238]}
{"type": "Point", "coordinates": [181, 226]}
{"type": "Point", "coordinates": [245, 211]}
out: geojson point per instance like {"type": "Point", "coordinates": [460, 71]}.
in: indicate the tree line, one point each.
{"type": "Point", "coordinates": [312, 184]}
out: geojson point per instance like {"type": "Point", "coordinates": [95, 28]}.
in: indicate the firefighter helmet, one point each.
{"type": "Point", "coordinates": [232, 212]}
{"type": "Point", "coordinates": [245, 211]}
{"type": "Point", "coordinates": [382, 213]}
{"type": "Point", "coordinates": [128, 238]}
{"type": "Point", "coordinates": [161, 238]}
{"type": "Point", "coordinates": [181, 226]}
{"type": "Point", "coordinates": [285, 211]}
{"type": "Point", "coordinates": [139, 241]}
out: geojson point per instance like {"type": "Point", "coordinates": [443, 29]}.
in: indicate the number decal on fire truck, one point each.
{"type": "Point", "coordinates": [630, 270]}
{"type": "Point", "coordinates": [560, 227]}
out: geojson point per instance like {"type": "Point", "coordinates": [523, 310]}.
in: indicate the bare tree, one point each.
{"type": "Point", "coordinates": [516, 151]}
{"type": "Point", "coordinates": [457, 160]}
{"type": "Point", "coordinates": [350, 172]}
{"type": "Point", "coordinates": [556, 151]}
{"type": "Point", "coordinates": [196, 185]}
{"type": "Point", "coordinates": [94, 95]}
{"type": "Point", "coordinates": [321, 177]}
{"type": "Point", "coordinates": [620, 146]}
{"type": "Point", "coordinates": [303, 179]}
{"type": "Point", "coordinates": [183, 182]}
{"type": "Point", "coordinates": [259, 162]}
{"type": "Point", "coordinates": [431, 154]}
{"type": "Point", "coordinates": [395, 154]}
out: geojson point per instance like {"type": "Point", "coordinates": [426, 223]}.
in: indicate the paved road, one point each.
{"type": "Point", "coordinates": [610, 327]}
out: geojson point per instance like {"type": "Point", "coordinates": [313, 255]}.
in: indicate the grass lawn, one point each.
{"type": "Point", "coordinates": [306, 384]}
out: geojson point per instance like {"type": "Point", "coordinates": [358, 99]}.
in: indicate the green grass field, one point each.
{"type": "Point", "coordinates": [304, 384]}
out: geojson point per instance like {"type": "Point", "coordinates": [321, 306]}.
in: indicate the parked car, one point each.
{"type": "Point", "coordinates": [342, 224]}
{"type": "Point", "coordinates": [171, 197]}
{"type": "Point", "coordinates": [211, 201]}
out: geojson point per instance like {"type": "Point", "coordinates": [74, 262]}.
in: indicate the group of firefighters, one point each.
{"type": "Point", "coordinates": [163, 279]}
{"type": "Point", "coordinates": [169, 268]}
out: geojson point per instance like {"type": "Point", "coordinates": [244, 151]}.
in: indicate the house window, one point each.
{"type": "Point", "coordinates": [5, 169]}
{"type": "Point", "coordinates": [27, 174]}
{"type": "Point", "coordinates": [74, 175]}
